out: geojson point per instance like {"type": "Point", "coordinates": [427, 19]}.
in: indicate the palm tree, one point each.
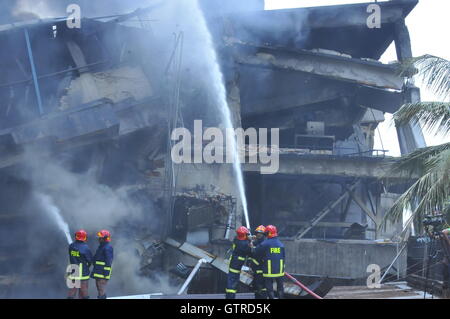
{"type": "Point", "coordinates": [431, 165]}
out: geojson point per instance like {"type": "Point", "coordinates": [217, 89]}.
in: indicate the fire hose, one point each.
{"type": "Point", "coordinates": [298, 283]}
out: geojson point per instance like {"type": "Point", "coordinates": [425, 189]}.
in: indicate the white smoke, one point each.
{"type": "Point", "coordinates": [77, 200]}
{"type": "Point", "coordinates": [83, 201]}
{"type": "Point", "coordinates": [40, 8]}
{"type": "Point", "coordinates": [54, 213]}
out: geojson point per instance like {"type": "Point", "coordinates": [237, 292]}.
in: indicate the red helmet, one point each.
{"type": "Point", "coordinates": [242, 233]}
{"type": "Point", "coordinates": [81, 235]}
{"type": "Point", "coordinates": [105, 235]}
{"type": "Point", "coordinates": [260, 229]}
{"type": "Point", "coordinates": [271, 231]}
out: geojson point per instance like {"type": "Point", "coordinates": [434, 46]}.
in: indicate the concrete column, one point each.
{"type": "Point", "coordinates": [410, 136]}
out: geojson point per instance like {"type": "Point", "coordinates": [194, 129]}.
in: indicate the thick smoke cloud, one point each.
{"type": "Point", "coordinates": [82, 199]}
{"type": "Point", "coordinates": [57, 8]}
{"type": "Point", "coordinates": [84, 203]}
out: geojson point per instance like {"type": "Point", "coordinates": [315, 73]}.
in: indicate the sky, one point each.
{"type": "Point", "coordinates": [428, 25]}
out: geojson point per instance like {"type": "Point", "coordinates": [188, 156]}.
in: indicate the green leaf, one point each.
{"type": "Point", "coordinates": [433, 71]}
{"type": "Point", "coordinates": [435, 116]}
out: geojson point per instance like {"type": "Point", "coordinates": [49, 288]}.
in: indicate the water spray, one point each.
{"type": "Point", "coordinates": [55, 214]}
{"type": "Point", "coordinates": [218, 83]}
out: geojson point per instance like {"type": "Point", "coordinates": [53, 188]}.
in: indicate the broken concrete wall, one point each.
{"type": "Point", "coordinates": [114, 84]}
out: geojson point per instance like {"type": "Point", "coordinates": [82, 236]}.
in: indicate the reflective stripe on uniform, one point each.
{"type": "Point", "coordinates": [110, 270]}
{"type": "Point", "coordinates": [273, 275]}
{"type": "Point", "coordinates": [233, 291]}
{"type": "Point", "coordinates": [241, 258]}
{"type": "Point", "coordinates": [80, 272]}
{"type": "Point", "coordinates": [102, 263]}
{"type": "Point", "coordinates": [259, 271]}
{"type": "Point", "coordinates": [234, 270]}
{"type": "Point", "coordinates": [269, 270]}
{"type": "Point", "coordinates": [255, 261]}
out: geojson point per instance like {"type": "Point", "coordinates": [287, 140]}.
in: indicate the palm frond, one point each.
{"type": "Point", "coordinates": [435, 116]}
{"type": "Point", "coordinates": [415, 163]}
{"type": "Point", "coordinates": [434, 199]}
{"type": "Point", "coordinates": [432, 70]}
{"type": "Point", "coordinates": [431, 190]}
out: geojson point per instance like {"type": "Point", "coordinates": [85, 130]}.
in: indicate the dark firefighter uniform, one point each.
{"type": "Point", "coordinates": [272, 252]}
{"type": "Point", "coordinates": [240, 251]}
{"type": "Point", "coordinates": [257, 265]}
{"type": "Point", "coordinates": [103, 261]}
{"type": "Point", "coordinates": [80, 257]}
{"type": "Point", "coordinates": [80, 254]}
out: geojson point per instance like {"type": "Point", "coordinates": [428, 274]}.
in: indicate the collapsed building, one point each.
{"type": "Point", "coordinates": [105, 98]}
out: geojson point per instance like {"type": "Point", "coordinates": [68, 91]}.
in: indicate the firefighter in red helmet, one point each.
{"type": "Point", "coordinates": [80, 256]}
{"type": "Point", "coordinates": [103, 263]}
{"type": "Point", "coordinates": [272, 252]}
{"type": "Point", "coordinates": [240, 251]}
{"type": "Point", "coordinates": [256, 265]}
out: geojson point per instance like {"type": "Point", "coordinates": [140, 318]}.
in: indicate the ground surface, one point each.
{"type": "Point", "coordinates": [387, 291]}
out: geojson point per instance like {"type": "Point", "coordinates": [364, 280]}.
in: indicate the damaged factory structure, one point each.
{"type": "Point", "coordinates": [87, 115]}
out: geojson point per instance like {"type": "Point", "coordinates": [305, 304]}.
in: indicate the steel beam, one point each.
{"type": "Point", "coordinates": [45, 76]}
{"type": "Point", "coordinates": [325, 211]}
{"type": "Point", "coordinates": [361, 204]}
{"type": "Point", "coordinates": [344, 212]}
{"type": "Point", "coordinates": [33, 72]}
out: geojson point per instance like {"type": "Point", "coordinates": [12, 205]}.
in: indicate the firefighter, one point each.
{"type": "Point", "coordinates": [240, 251]}
{"type": "Point", "coordinates": [272, 252]}
{"type": "Point", "coordinates": [257, 265]}
{"type": "Point", "coordinates": [80, 255]}
{"type": "Point", "coordinates": [103, 263]}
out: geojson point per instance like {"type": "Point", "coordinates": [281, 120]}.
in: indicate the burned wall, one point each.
{"type": "Point", "coordinates": [117, 182]}
{"type": "Point", "coordinates": [291, 202]}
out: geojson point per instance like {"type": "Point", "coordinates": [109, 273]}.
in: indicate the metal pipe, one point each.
{"type": "Point", "coordinates": [191, 276]}
{"type": "Point", "coordinates": [230, 219]}
{"type": "Point", "coordinates": [33, 71]}
{"type": "Point", "coordinates": [298, 283]}
{"type": "Point", "coordinates": [53, 74]}
{"type": "Point", "coordinates": [393, 262]}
